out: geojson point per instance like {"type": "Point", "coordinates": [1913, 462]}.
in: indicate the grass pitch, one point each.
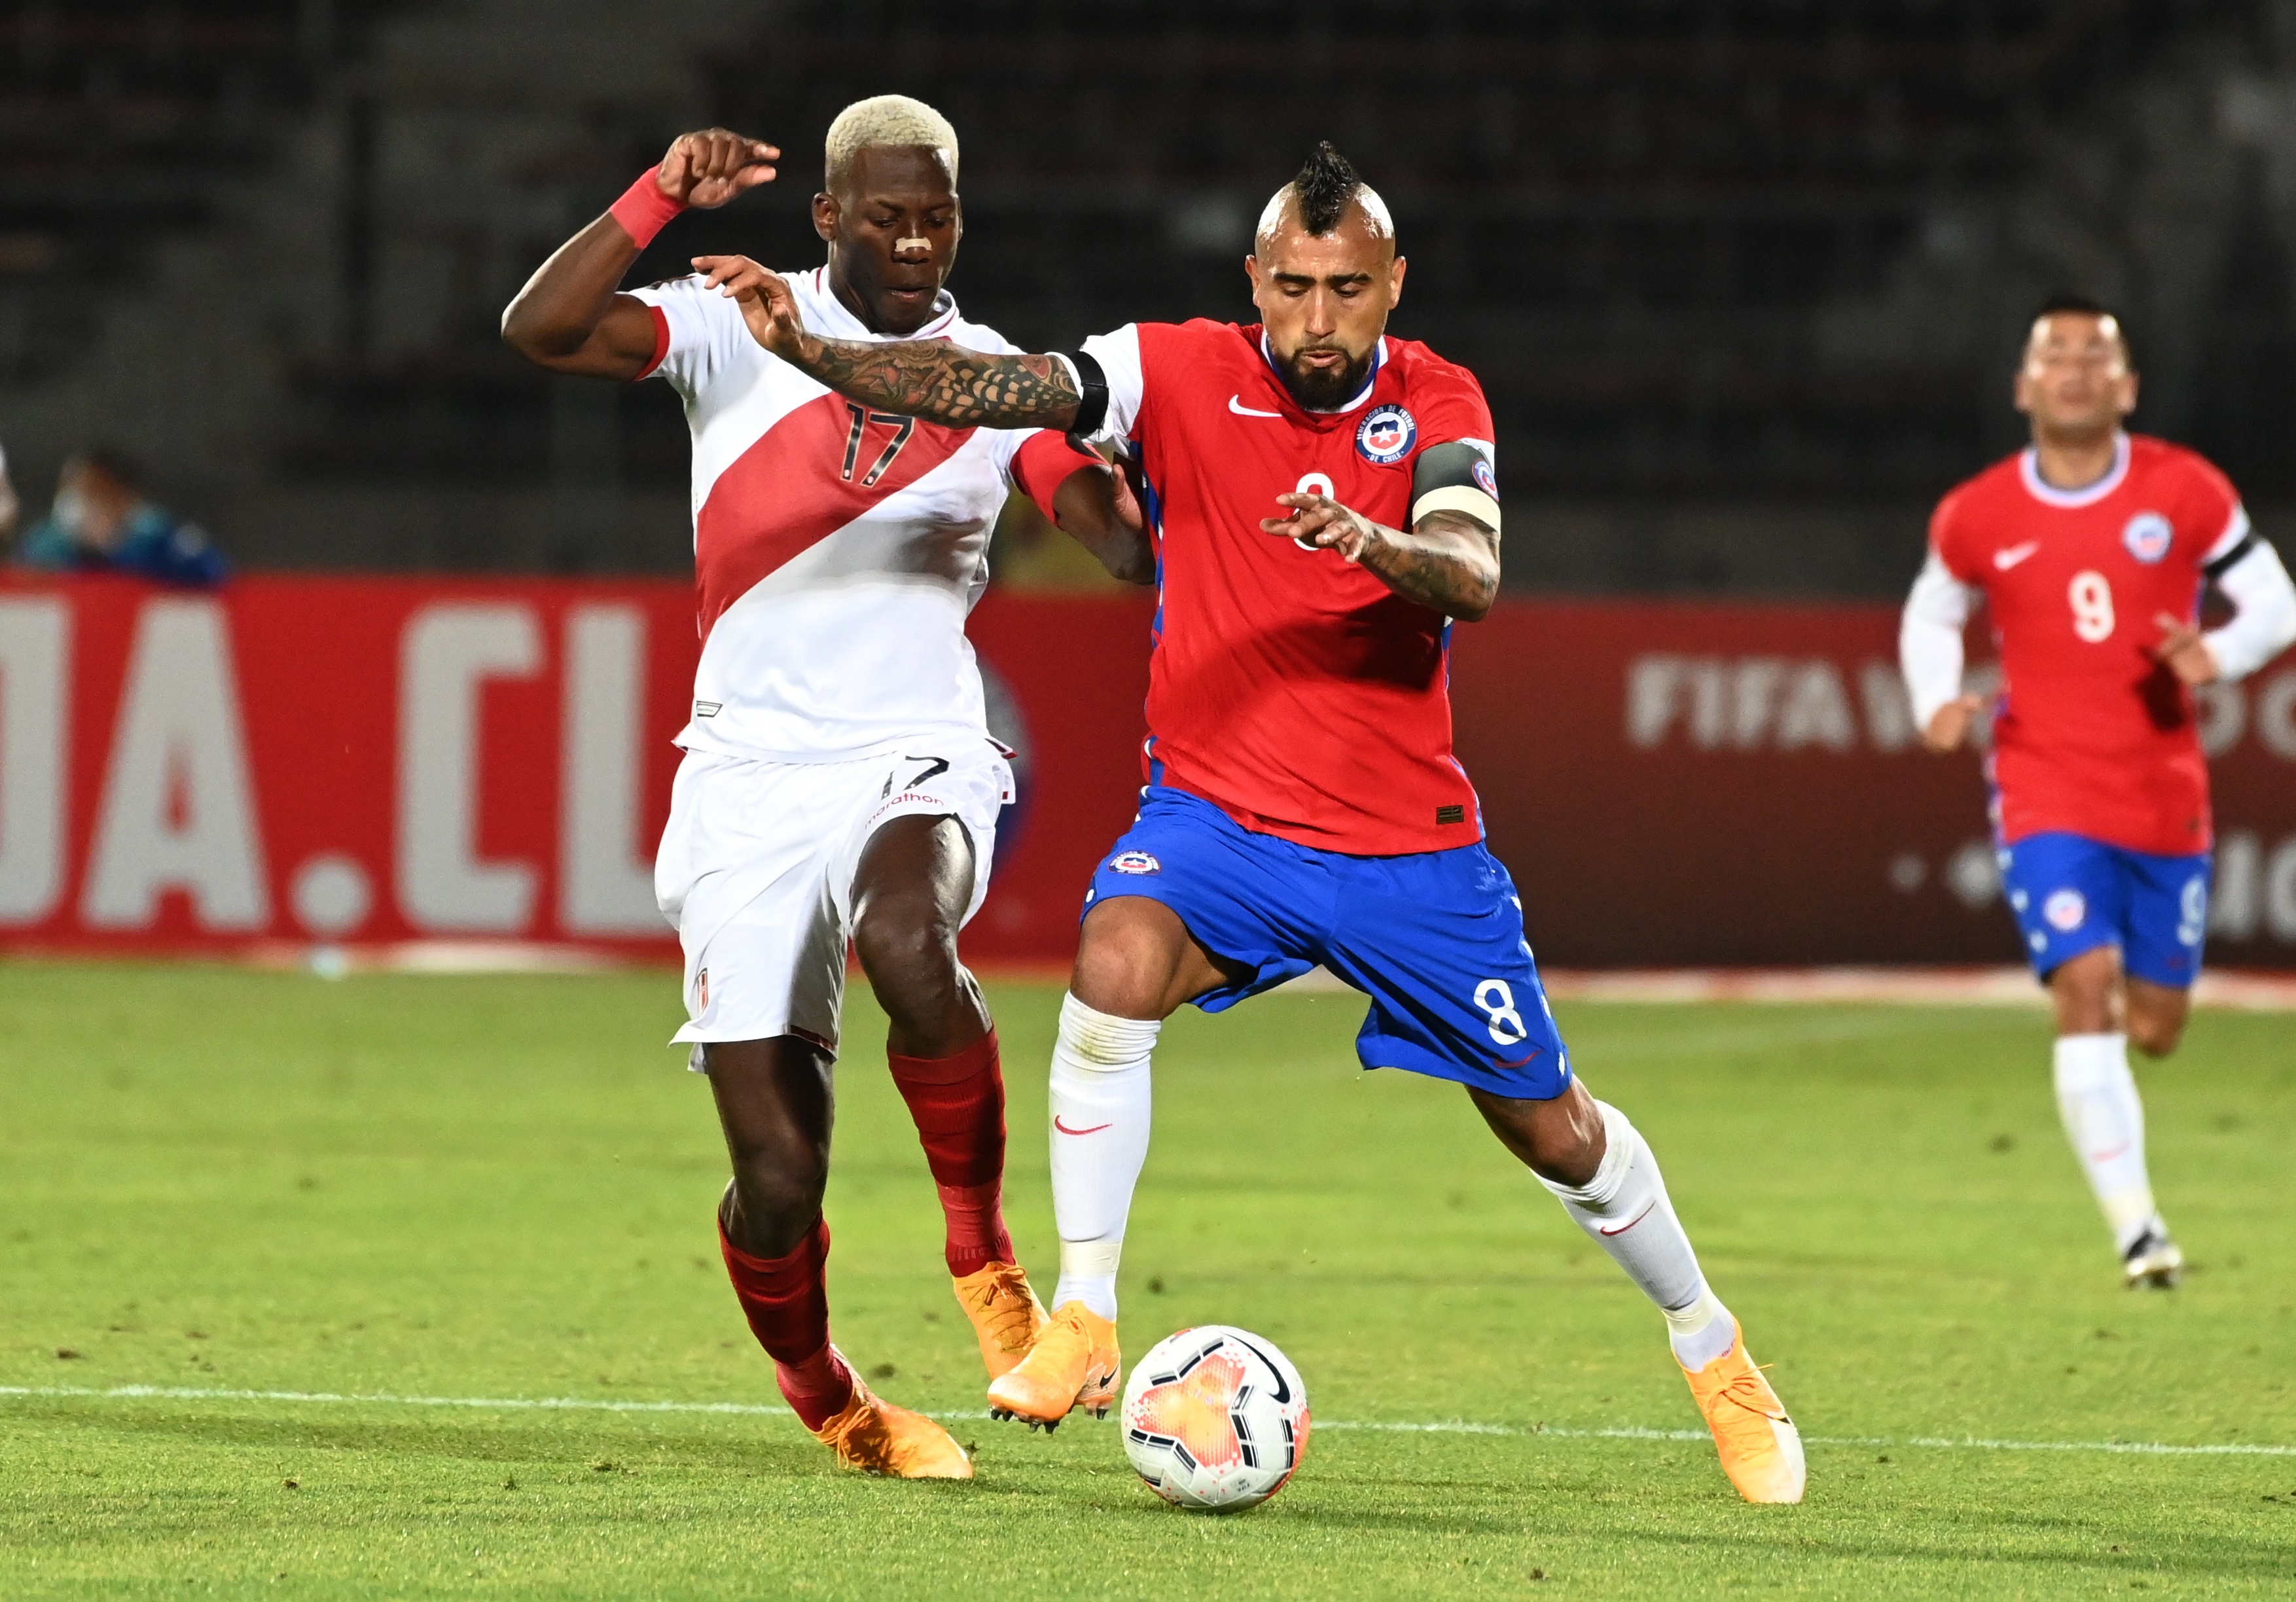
{"type": "Point", "coordinates": [488, 1190]}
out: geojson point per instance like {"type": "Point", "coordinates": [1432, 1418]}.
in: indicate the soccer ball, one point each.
{"type": "Point", "coordinates": [1214, 1419]}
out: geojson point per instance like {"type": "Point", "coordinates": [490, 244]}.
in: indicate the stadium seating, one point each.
{"type": "Point", "coordinates": [1754, 258]}
{"type": "Point", "coordinates": [118, 126]}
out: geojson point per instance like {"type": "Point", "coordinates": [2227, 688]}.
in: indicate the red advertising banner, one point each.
{"type": "Point", "coordinates": [1693, 784]}
{"type": "Point", "coordinates": [349, 762]}
{"type": "Point", "coordinates": [353, 761]}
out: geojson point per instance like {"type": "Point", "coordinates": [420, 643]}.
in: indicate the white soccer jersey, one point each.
{"type": "Point", "coordinates": [837, 551]}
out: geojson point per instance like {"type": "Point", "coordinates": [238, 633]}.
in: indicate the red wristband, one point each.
{"type": "Point", "coordinates": [644, 210]}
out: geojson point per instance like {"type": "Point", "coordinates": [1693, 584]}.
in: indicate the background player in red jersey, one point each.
{"type": "Point", "coordinates": [839, 781]}
{"type": "Point", "coordinates": [2091, 547]}
{"type": "Point", "coordinates": [1302, 804]}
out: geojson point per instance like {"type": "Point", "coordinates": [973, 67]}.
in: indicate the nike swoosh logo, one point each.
{"type": "Point", "coordinates": [1630, 1223]}
{"type": "Point", "coordinates": [1065, 1130]}
{"type": "Point", "coordinates": [2106, 1156]}
{"type": "Point", "coordinates": [1283, 1385]}
{"type": "Point", "coordinates": [2006, 560]}
{"type": "Point", "coordinates": [1235, 404]}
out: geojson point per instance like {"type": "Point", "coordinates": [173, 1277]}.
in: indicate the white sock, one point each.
{"type": "Point", "coordinates": [1624, 1209]}
{"type": "Point", "coordinates": [1099, 1132]}
{"type": "Point", "coordinates": [2096, 1098]}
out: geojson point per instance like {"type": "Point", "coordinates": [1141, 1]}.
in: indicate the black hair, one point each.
{"type": "Point", "coordinates": [1325, 184]}
{"type": "Point", "coordinates": [2073, 303]}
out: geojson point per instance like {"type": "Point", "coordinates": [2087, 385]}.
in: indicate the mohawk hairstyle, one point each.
{"type": "Point", "coordinates": [1325, 185]}
{"type": "Point", "coordinates": [1326, 182]}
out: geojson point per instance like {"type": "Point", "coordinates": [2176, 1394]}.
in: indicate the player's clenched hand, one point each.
{"type": "Point", "coordinates": [1949, 723]}
{"type": "Point", "coordinates": [768, 305]}
{"type": "Point", "coordinates": [1321, 523]}
{"type": "Point", "coordinates": [710, 167]}
{"type": "Point", "coordinates": [2187, 654]}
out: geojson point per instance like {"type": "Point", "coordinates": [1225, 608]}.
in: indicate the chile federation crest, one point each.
{"type": "Point", "coordinates": [1386, 435]}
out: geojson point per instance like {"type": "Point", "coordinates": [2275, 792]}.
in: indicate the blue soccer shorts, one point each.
{"type": "Point", "coordinates": [2071, 894]}
{"type": "Point", "coordinates": [1435, 939]}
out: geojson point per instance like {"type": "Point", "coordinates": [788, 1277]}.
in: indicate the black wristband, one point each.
{"type": "Point", "coordinates": [1091, 396]}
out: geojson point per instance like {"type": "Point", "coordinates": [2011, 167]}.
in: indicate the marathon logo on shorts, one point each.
{"type": "Point", "coordinates": [1386, 435]}
{"type": "Point", "coordinates": [2148, 536]}
{"type": "Point", "coordinates": [2064, 910]}
{"type": "Point", "coordinates": [1133, 862]}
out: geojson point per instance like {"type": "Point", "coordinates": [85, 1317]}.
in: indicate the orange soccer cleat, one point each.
{"type": "Point", "coordinates": [879, 1438]}
{"type": "Point", "coordinates": [1762, 1450]}
{"type": "Point", "coordinates": [1074, 1363]}
{"type": "Point", "coordinates": [1006, 1314]}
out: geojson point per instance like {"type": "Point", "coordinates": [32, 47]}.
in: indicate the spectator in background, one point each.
{"type": "Point", "coordinates": [9, 505]}
{"type": "Point", "coordinates": [101, 522]}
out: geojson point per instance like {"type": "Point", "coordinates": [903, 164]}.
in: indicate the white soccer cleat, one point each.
{"type": "Point", "coordinates": [2153, 1260]}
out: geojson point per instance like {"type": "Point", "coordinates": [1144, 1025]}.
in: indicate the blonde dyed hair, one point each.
{"type": "Point", "coordinates": [886, 122]}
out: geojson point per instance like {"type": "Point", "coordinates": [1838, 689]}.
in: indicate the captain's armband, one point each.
{"type": "Point", "coordinates": [1455, 476]}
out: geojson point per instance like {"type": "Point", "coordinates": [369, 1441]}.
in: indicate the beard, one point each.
{"type": "Point", "coordinates": [1322, 389]}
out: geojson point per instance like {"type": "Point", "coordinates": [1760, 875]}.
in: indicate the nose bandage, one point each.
{"type": "Point", "coordinates": [921, 244]}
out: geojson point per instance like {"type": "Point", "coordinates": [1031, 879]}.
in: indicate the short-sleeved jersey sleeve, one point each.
{"type": "Point", "coordinates": [698, 333]}
{"type": "Point", "coordinates": [1949, 540]}
{"type": "Point", "coordinates": [2212, 516]}
{"type": "Point", "coordinates": [1118, 355]}
{"type": "Point", "coordinates": [1452, 410]}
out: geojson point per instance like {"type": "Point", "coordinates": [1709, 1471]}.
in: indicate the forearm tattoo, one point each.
{"type": "Point", "coordinates": [945, 383]}
{"type": "Point", "coordinates": [1435, 567]}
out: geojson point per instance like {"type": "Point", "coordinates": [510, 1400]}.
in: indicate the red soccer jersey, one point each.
{"type": "Point", "coordinates": [1291, 689]}
{"type": "Point", "coordinates": [2094, 736]}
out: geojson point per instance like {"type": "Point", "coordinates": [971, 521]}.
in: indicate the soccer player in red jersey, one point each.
{"type": "Point", "coordinates": [838, 783]}
{"type": "Point", "coordinates": [1326, 508]}
{"type": "Point", "coordinates": [2091, 547]}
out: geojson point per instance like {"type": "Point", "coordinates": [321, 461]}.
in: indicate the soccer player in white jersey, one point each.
{"type": "Point", "coordinates": [838, 782]}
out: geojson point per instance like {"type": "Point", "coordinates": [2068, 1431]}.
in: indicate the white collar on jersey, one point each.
{"type": "Point", "coordinates": [2028, 468]}
{"type": "Point", "coordinates": [827, 315]}
{"type": "Point", "coordinates": [1378, 360]}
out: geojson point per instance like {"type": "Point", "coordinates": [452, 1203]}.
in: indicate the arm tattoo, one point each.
{"type": "Point", "coordinates": [1449, 562]}
{"type": "Point", "coordinates": [945, 383]}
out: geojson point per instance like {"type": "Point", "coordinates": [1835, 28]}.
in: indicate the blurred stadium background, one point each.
{"type": "Point", "coordinates": [1742, 279]}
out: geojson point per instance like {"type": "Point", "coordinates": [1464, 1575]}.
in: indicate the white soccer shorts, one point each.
{"type": "Point", "coordinates": [756, 869]}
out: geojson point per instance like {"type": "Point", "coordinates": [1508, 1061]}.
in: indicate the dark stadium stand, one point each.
{"type": "Point", "coordinates": [119, 124]}
{"type": "Point", "coordinates": [1626, 216]}
{"type": "Point", "coordinates": [1741, 276]}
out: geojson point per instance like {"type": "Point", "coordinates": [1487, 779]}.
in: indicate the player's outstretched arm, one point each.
{"type": "Point", "coordinates": [570, 317]}
{"type": "Point", "coordinates": [927, 378]}
{"type": "Point", "coordinates": [1446, 560]}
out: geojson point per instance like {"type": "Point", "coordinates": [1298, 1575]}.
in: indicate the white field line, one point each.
{"type": "Point", "coordinates": [1438, 1427]}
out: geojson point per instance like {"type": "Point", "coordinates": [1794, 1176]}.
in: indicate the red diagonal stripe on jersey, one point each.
{"type": "Point", "coordinates": [784, 495]}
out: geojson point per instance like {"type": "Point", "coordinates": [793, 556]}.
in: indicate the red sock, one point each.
{"type": "Point", "coordinates": [786, 1300]}
{"type": "Point", "coordinates": [959, 1105]}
